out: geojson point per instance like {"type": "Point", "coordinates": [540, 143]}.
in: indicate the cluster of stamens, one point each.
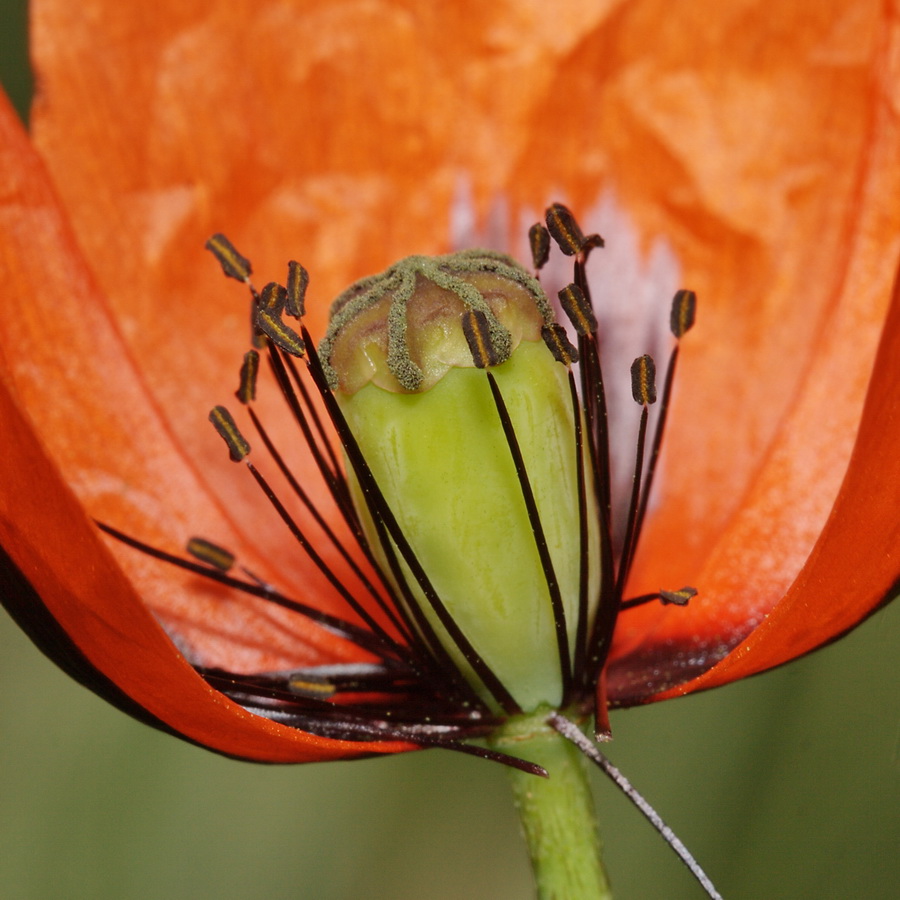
{"type": "Point", "coordinates": [410, 689]}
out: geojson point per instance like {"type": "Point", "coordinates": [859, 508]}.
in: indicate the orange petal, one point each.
{"type": "Point", "coordinates": [116, 639]}
{"type": "Point", "coordinates": [80, 387]}
{"type": "Point", "coordinates": [853, 567]}
{"type": "Point", "coordinates": [756, 140]}
{"type": "Point", "coordinates": [762, 144]}
{"type": "Point", "coordinates": [775, 518]}
{"type": "Point", "coordinates": [106, 435]}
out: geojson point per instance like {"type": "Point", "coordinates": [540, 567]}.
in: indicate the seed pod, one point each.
{"type": "Point", "coordinates": [445, 465]}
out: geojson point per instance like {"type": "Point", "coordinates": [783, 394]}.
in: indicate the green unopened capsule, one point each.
{"type": "Point", "coordinates": [442, 460]}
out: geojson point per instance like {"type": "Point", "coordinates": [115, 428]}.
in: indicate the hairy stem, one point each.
{"type": "Point", "coordinates": [557, 813]}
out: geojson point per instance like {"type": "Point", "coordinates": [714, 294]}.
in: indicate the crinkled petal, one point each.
{"type": "Point", "coordinates": [766, 524]}
{"type": "Point", "coordinates": [853, 569]}
{"type": "Point", "coordinates": [87, 417]}
{"type": "Point", "coordinates": [758, 140]}
{"type": "Point", "coordinates": [81, 388]}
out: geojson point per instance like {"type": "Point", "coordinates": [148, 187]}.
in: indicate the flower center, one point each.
{"type": "Point", "coordinates": [484, 579]}
{"type": "Point", "coordinates": [481, 471]}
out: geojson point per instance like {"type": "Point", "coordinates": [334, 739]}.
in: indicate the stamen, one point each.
{"type": "Point", "coordinates": [667, 598]}
{"type": "Point", "coordinates": [246, 392]}
{"type": "Point", "coordinates": [283, 336]}
{"type": "Point", "coordinates": [643, 387]}
{"type": "Point", "coordinates": [225, 425]}
{"type": "Point", "coordinates": [558, 342]}
{"type": "Point", "coordinates": [297, 282]}
{"type": "Point", "coordinates": [334, 625]}
{"type": "Point", "coordinates": [539, 241]}
{"type": "Point", "coordinates": [233, 264]}
{"type": "Point", "coordinates": [477, 331]}
{"type": "Point", "coordinates": [595, 412]}
{"type": "Point", "coordinates": [681, 319]}
{"type": "Point", "coordinates": [578, 309]}
{"type": "Point", "coordinates": [210, 553]}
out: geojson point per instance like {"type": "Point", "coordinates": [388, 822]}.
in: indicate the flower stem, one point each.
{"type": "Point", "coordinates": [557, 813]}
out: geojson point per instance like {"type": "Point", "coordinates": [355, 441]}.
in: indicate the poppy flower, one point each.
{"type": "Point", "coordinates": [750, 157]}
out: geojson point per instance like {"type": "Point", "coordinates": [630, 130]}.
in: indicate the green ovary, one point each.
{"type": "Point", "coordinates": [441, 459]}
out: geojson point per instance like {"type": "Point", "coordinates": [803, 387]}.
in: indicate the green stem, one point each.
{"type": "Point", "coordinates": [557, 813]}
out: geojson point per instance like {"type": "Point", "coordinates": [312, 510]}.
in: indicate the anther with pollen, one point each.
{"type": "Point", "coordinates": [539, 241]}
{"type": "Point", "coordinates": [246, 391]}
{"type": "Point", "coordinates": [677, 598]}
{"type": "Point", "coordinates": [567, 233]}
{"type": "Point", "coordinates": [477, 331]}
{"type": "Point", "coordinates": [270, 323]}
{"type": "Point", "coordinates": [558, 343]}
{"type": "Point", "coordinates": [643, 380]}
{"type": "Point", "coordinates": [297, 283]}
{"type": "Point", "coordinates": [272, 298]}
{"type": "Point", "coordinates": [210, 553]}
{"type": "Point", "coordinates": [227, 429]}
{"type": "Point", "coordinates": [681, 597]}
{"type": "Point", "coordinates": [684, 310]}
{"type": "Point", "coordinates": [309, 684]}
{"type": "Point", "coordinates": [233, 264]}
{"type": "Point", "coordinates": [578, 309]}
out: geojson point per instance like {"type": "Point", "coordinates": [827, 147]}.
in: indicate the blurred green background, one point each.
{"type": "Point", "coordinates": [785, 786]}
